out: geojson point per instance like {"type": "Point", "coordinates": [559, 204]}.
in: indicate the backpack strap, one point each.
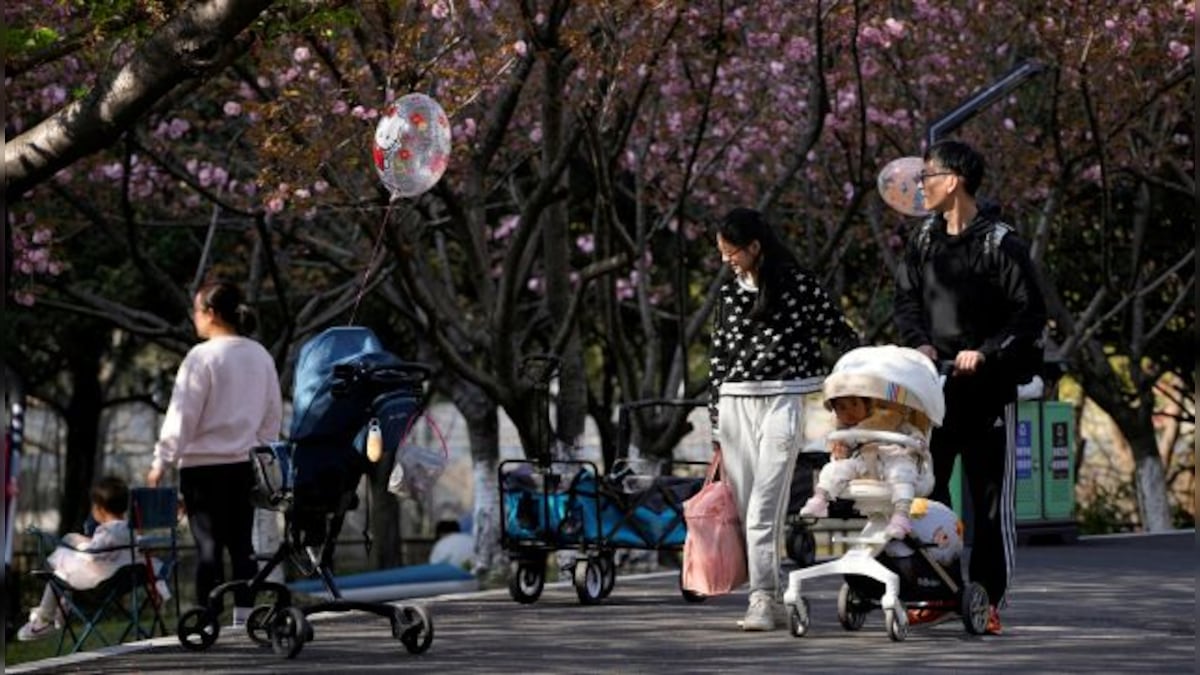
{"type": "Point", "coordinates": [991, 241]}
{"type": "Point", "coordinates": [924, 241]}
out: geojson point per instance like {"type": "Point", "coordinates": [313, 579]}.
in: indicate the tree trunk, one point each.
{"type": "Point", "coordinates": [83, 425]}
{"type": "Point", "coordinates": [1151, 483]}
{"type": "Point", "coordinates": [571, 404]}
{"type": "Point", "coordinates": [483, 433]}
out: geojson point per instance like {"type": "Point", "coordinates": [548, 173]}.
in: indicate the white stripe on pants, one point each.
{"type": "Point", "coordinates": [760, 436]}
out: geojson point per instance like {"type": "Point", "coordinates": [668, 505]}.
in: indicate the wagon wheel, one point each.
{"type": "Point", "coordinates": [526, 581]}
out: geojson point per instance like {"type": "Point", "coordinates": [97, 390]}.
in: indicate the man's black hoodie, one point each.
{"type": "Point", "coordinates": [959, 293]}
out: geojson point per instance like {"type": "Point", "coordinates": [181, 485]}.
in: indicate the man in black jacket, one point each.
{"type": "Point", "coordinates": [967, 294]}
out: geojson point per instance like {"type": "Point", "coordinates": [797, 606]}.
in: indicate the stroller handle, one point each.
{"type": "Point", "coordinates": [855, 436]}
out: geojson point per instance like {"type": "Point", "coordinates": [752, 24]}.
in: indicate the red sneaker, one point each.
{"type": "Point", "coordinates": [993, 624]}
{"type": "Point", "coordinates": [926, 616]}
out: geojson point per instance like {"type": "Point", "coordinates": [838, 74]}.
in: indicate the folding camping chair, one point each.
{"type": "Point", "coordinates": [154, 521]}
{"type": "Point", "coordinates": [132, 589]}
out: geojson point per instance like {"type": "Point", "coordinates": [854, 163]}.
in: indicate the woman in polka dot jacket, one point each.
{"type": "Point", "coordinates": [766, 355]}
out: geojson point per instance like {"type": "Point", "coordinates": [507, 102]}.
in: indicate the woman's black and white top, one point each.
{"type": "Point", "coordinates": [779, 353]}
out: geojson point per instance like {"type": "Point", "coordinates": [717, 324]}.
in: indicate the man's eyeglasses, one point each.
{"type": "Point", "coordinates": [924, 175]}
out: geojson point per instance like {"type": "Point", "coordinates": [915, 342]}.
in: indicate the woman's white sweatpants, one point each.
{"type": "Point", "coordinates": [760, 437]}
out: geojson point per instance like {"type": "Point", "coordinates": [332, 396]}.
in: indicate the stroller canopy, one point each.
{"type": "Point", "coordinates": [890, 373]}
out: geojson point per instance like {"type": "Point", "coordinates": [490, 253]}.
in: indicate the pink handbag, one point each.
{"type": "Point", "coordinates": [714, 552]}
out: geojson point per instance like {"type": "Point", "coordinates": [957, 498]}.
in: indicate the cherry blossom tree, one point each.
{"type": "Point", "coordinates": [595, 143]}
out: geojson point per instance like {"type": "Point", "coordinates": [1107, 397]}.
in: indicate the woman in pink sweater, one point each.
{"type": "Point", "coordinates": [226, 400]}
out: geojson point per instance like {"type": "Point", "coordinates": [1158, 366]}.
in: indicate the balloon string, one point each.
{"type": "Point", "coordinates": [362, 287]}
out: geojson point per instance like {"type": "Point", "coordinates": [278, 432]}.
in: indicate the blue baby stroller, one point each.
{"type": "Point", "coordinates": [345, 381]}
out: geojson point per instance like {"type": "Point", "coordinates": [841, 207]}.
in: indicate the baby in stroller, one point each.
{"type": "Point", "coordinates": [867, 391]}
{"type": "Point", "coordinates": [884, 568]}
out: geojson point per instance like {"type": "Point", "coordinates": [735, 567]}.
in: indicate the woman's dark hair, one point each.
{"type": "Point", "coordinates": [777, 262]}
{"type": "Point", "coordinates": [111, 494]}
{"type": "Point", "coordinates": [224, 299]}
{"type": "Point", "coordinates": [960, 158]}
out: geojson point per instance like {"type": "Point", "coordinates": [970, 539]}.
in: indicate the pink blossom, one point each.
{"type": "Point", "coordinates": [520, 47]}
{"type": "Point", "coordinates": [359, 112]}
{"type": "Point", "coordinates": [535, 134]}
{"type": "Point", "coordinates": [301, 54]}
{"type": "Point", "coordinates": [534, 284]}
{"type": "Point", "coordinates": [232, 108]}
{"type": "Point", "coordinates": [340, 107]}
{"type": "Point", "coordinates": [894, 28]}
{"type": "Point", "coordinates": [1178, 50]}
{"type": "Point", "coordinates": [1009, 124]}
{"type": "Point", "coordinates": [178, 128]}
{"type": "Point", "coordinates": [320, 187]}
{"type": "Point", "coordinates": [586, 243]}
{"type": "Point", "coordinates": [302, 193]}
{"type": "Point", "coordinates": [625, 289]}
{"type": "Point", "coordinates": [24, 298]}
{"type": "Point", "coordinates": [274, 205]}
{"type": "Point", "coordinates": [508, 224]}
{"type": "Point", "coordinates": [439, 10]}
{"type": "Point", "coordinates": [41, 236]}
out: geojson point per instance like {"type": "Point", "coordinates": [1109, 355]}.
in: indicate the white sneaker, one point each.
{"type": "Point", "coordinates": [816, 507]}
{"type": "Point", "coordinates": [761, 613]}
{"type": "Point", "coordinates": [898, 527]}
{"type": "Point", "coordinates": [36, 629]}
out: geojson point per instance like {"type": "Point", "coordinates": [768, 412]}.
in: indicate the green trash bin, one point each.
{"type": "Point", "coordinates": [1045, 470]}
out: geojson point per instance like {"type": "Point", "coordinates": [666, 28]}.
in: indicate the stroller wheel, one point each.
{"type": "Point", "coordinates": [974, 608]}
{"type": "Point", "coordinates": [197, 629]}
{"type": "Point", "coordinates": [801, 545]}
{"type": "Point", "coordinates": [526, 581]}
{"type": "Point", "coordinates": [258, 625]}
{"type": "Point", "coordinates": [414, 628]}
{"type": "Point", "coordinates": [851, 611]}
{"type": "Point", "coordinates": [289, 629]}
{"type": "Point", "coordinates": [799, 618]}
{"type": "Point", "coordinates": [896, 621]}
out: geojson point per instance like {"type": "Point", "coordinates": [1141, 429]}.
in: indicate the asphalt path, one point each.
{"type": "Point", "coordinates": [1120, 604]}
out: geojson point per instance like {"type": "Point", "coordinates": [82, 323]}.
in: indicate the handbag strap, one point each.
{"type": "Point", "coordinates": [437, 431]}
{"type": "Point", "coordinates": [714, 467]}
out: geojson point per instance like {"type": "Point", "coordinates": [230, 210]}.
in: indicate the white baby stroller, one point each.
{"type": "Point", "coordinates": [922, 570]}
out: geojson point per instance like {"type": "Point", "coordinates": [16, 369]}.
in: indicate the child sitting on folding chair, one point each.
{"type": "Point", "coordinates": [84, 562]}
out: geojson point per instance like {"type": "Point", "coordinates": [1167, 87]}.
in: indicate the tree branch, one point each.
{"type": "Point", "coordinates": [187, 46]}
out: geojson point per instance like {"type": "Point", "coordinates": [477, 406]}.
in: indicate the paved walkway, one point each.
{"type": "Point", "coordinates": [1117, 604]}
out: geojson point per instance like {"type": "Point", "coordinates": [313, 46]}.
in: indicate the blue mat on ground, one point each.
{"type": "Point", "coordinates": [397, 583]}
